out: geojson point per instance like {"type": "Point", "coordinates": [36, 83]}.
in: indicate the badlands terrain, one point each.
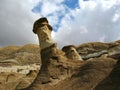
{"type": "Point", "coordinates": [97, 68]}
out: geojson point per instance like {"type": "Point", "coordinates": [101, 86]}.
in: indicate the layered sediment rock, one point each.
{"type": "Point", "coordinates": [59, 72]}
{"type": "Point", "coordinates": [112, 81]}
{"type": "Point", "coordinates": [19, 55]}
{"type": "Point", "coordinates": [71, 53]}
{"type": "Point", "coordinates": [81, 67]}
{"type": "Point", "coordinates": [48, 54]}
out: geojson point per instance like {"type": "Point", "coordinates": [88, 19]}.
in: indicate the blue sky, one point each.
{"type": "Point", "coordinates": [74, 21]}
{"type": "Point", "coordinates": [72, 4]}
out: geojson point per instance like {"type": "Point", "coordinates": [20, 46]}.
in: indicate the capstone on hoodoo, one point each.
{"type": "Point", "coordinates": [43, 30]}
{"type": "Point", "coordinates": [71, 53]}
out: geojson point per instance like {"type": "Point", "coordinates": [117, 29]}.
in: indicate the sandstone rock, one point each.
{"type": "Point", "coordinates": [88, 76]}
{"type": "Point", "coordinates": [7, 52]}
{"type": "Point", "coordinates": [27, 58]}
{"type": "Point", "coordinates": [97, 49]}
{"type": "Point", "coordinates": [93, 47]}
{"type": "Point", "coordinates": [58, 72]}
{"type": "Point", "coordinates": [53, 67]}
{"type": "Point", "coordinates": [114, 50]}
{"type": "Point", "coordinates": [27, 54]}
{"type": "Point", "coordinates": [43, 30]}
{"type": "Point", "coordinates": [111, 82]}
{"type": "Point", "coordinates": [23, 84]}
{"type": "Point", "coordinates": [94, 55]}
{"type": "Point", "coordinates": [29, 48]}
{"type": "Point", "coordinates": [12, 61]}
{"type": "Point", "coordinates": [60, 69]}
{"type": "Point", "coordinates": [44, 74]}
{"type": "Point", "coordinates": [9, 81]}
{"type": "Point", "coordinates": [71, 53]}
{"type": "Point", "coordinates": [16, 81]}
{"type": "Point", "coordinates": [49, 49]}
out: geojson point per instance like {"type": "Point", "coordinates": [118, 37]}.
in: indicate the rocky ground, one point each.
{"type": "Point", "coordinates": [98, 69]}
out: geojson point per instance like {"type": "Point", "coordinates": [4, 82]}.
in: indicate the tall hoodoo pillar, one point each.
{"type": "Point", "coordinates": [54, 62]}
{"type": "Point", "coordinates": [43, 30]}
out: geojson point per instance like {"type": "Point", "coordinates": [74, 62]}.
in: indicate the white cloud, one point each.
{"type": "Point", "coordinates": [16, 19]}
{"type": "Point", "coordinates": [49, 8]}
{"type": "Point", "coordinates": [83, 30]}
{"type": "Point", "coordinates": [107, 4]}
{"type": "Point", "coordinates": [52, 9]}
{"type": "Point", "coordinates": [16, 22]}
{"type": "Point", "coordinates": [97, 22]}
{"type": "Point", "coordinates": [88, 4]}
{"type": "Point", "coordinates": [116, 17]}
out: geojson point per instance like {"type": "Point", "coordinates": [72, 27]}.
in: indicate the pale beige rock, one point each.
{"type": "Point", "coordinates": [44, 35]}
{"type": "Point", "coordinates": [43, 30]}
{"type": "Point", "coordinates": [114, 50]}
{"type": "Point", "coordinates": [71, 53]}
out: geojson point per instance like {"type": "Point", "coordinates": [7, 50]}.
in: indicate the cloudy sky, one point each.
{"type": "Point", "coordinates": [73, 21]}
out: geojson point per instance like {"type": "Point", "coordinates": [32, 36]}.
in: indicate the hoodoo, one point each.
{"type": "Point", "coordinates": [43, 30]}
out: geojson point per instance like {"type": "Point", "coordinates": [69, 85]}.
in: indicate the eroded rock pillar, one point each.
{"type": "Point", "coordinates": [43, 31]}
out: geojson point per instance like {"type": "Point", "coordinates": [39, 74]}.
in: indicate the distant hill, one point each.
{"type": "Point", "coordinates": [27, 54]}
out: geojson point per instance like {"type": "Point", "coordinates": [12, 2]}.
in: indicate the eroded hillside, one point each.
{"type": "Point", "coordinates": [97, 70]}
{"type": "Point", "coordinates": [20, 55]}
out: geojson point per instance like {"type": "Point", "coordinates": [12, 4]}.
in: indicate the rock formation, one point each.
{"type": "Point", "coordinates": [112, 81]}
{"type": "Point", "coordinates": [20, 55]}
{"type": "Point", "coordinates": [89, 66]}
{"type": "Point", "coordinates": [49, 52]}
{"type": "Point", "coordinates": [71, 53]}
{"type": "Point", "coordinates": [51, 58]}
{"type": "Point", "coordinates": [94, 72]}
{"type": "Point", "coordinates": [43, 30]}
